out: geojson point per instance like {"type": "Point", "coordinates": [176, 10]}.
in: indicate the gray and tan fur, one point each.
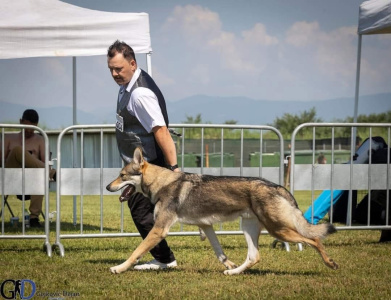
{"type": "Point", "coordinates": [203, 200]}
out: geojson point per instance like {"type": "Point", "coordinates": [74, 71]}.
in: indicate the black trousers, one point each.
{"type": "Point", "coordinates": [141, 210]}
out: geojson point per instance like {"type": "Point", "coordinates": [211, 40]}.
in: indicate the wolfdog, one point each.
{"type": "Point", "coordinates": [203, 200]}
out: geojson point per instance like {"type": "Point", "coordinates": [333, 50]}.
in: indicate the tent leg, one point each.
{"type": "Point", "coordinates": [74, 131]}
{"type": "Point", "coordinates": [149, 63]}
{"type": "Point", "coordinates": [357, 86]}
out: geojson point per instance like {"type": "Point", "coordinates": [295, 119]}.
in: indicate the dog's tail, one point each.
{"type": "Point", "coordinates": [312, 231]}
{"type": "Point", "coordinates": [303, 227]}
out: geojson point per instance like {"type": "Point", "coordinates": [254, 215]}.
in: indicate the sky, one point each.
{"type": "Point", "coordinates": [267, 50]}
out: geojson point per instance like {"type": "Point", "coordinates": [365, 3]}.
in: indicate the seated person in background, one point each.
{"type": "Point", "coordinates": [322, 159]}
{"type": "Point", "coordinates": [34, 157]}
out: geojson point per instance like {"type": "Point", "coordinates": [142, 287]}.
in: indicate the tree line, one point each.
{"type": "Point", "coordinates": [288, 122]}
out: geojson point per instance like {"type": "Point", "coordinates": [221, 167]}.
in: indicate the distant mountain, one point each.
{"type": "Point", "coordinates": [54, 117]}
{"type": "Point", "coordinates": [251, 112]}
{"type": "Point", "coordinates": [215, 110]}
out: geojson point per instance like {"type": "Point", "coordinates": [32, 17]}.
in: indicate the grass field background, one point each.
{"type": "Point", "coordinates": [83, 273]}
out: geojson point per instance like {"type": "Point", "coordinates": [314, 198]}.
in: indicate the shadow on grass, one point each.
{"type": "Point", "coordinates": [279, 273]}
{"type": "Point", "coordinates": [65, 226]}
{"type": "Point", "coordinates": [257, 272]}
{"type": "Point", "coordinates": [114, 262]}
{"type": "Point", "coordinates": [105, 261]}
{"type": "Point", "coordinates": [70, 227]}
{"type": "Point", "coordinates": [27, 249]}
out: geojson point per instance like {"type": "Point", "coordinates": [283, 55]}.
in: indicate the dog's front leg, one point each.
{"type": "Point", "coordinates": [211, 235]}
{"type": "Point", "coordinates": [154, 237]}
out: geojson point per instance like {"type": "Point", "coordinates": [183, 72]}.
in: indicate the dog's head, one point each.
{"type": "Point", "coordinates": [129, 177]}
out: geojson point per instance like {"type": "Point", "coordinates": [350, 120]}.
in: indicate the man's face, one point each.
{"type": "Point", "coordinates": [121, 69]}
{"type": "Point", "coordinates": [28, 133]}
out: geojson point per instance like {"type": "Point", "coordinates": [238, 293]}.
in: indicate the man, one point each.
{"type": "Point", "coordinates": [142, 121]}
{"type": "Point", "coordinates": [34, 157]}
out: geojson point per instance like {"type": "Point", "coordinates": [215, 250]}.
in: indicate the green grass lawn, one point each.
{"type": "Point", "coordinates": [83, 273]}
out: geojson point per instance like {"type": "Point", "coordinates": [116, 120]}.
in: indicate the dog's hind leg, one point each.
{"type": "Point", "coordinates": [292, 236]}
{"type": "Point", "coordinates": [251, 230]}
{"type": "Point", "coordinates": [211, 235]}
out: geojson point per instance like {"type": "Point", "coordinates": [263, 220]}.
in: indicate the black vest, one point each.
{"type": "Point", "coordinates": [133, 134]}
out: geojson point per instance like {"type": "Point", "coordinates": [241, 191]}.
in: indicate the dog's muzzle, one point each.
{"type": "Point", "coordinates": [127, 193]}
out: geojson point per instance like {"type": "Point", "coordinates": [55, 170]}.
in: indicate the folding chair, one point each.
{"type": "Point", "coordinates": [26, 198]}
{"type": "Point", "coordinates": [9, 207]}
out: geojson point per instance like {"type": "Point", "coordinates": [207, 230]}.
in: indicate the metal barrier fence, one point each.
{"type": "Point", "coordinates": [83, 181]}
{"type": "Point", "coordinates": [350, 176]}
{"type": "Point", "coordinates": [23, 181]}
{"type": "Point", "coordinates": [112, 159]}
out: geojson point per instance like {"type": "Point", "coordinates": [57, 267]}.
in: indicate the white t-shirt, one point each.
{"type": "Point", "coordinates": [144, 105]}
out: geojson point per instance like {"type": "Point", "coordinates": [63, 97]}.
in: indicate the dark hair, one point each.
{"type": "Point", "coordinates": [30, 115]}
{"type": "Point", "coordinates": [123, 48]}
{"type": "Point", "coordinates": [321, 158]}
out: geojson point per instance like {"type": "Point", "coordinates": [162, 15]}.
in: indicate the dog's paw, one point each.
{"type": "Point", "coordinates": [333, 265]}
{"type": "Point", "coordinates": [232, 272]}
{"type": "Point", "coordinates": [229, 265]}
{"type": "Point", "coordinates": [117, 269]}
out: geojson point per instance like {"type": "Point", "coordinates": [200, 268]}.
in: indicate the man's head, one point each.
{"type": "Point", "coordinates": [30, 117]}
{"type": "Point", "coordinates": [121, 62]}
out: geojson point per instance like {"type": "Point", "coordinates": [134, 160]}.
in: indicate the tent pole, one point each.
{"type": "Point", "coordinates": [74, 89]}
{"type": "Point", "coordinates": [74, 131]}
{"type": "Point", "coordinates": [149, 63]}
{"type": "Point", "coordinates": [354, 129]}
{"type": "Point", "coordinates": [357, 88]}
{"type": "Point", "coordinates": [357, 78]}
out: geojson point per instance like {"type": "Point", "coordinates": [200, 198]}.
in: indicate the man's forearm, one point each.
{"type": "Point", "coordinates": [165, 142]}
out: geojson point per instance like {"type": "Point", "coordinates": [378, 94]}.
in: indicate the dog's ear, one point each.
{"type": "Point", "coordinates": [138, 156]}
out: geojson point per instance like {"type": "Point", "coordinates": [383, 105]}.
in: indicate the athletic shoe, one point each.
{"type": "Point", "coordinates": [155, 265]}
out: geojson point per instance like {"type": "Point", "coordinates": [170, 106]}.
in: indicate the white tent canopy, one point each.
{"type": "Point", "coordinates": [31, 28]}
{"type": "Point", "coordinates": [374, 18]}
